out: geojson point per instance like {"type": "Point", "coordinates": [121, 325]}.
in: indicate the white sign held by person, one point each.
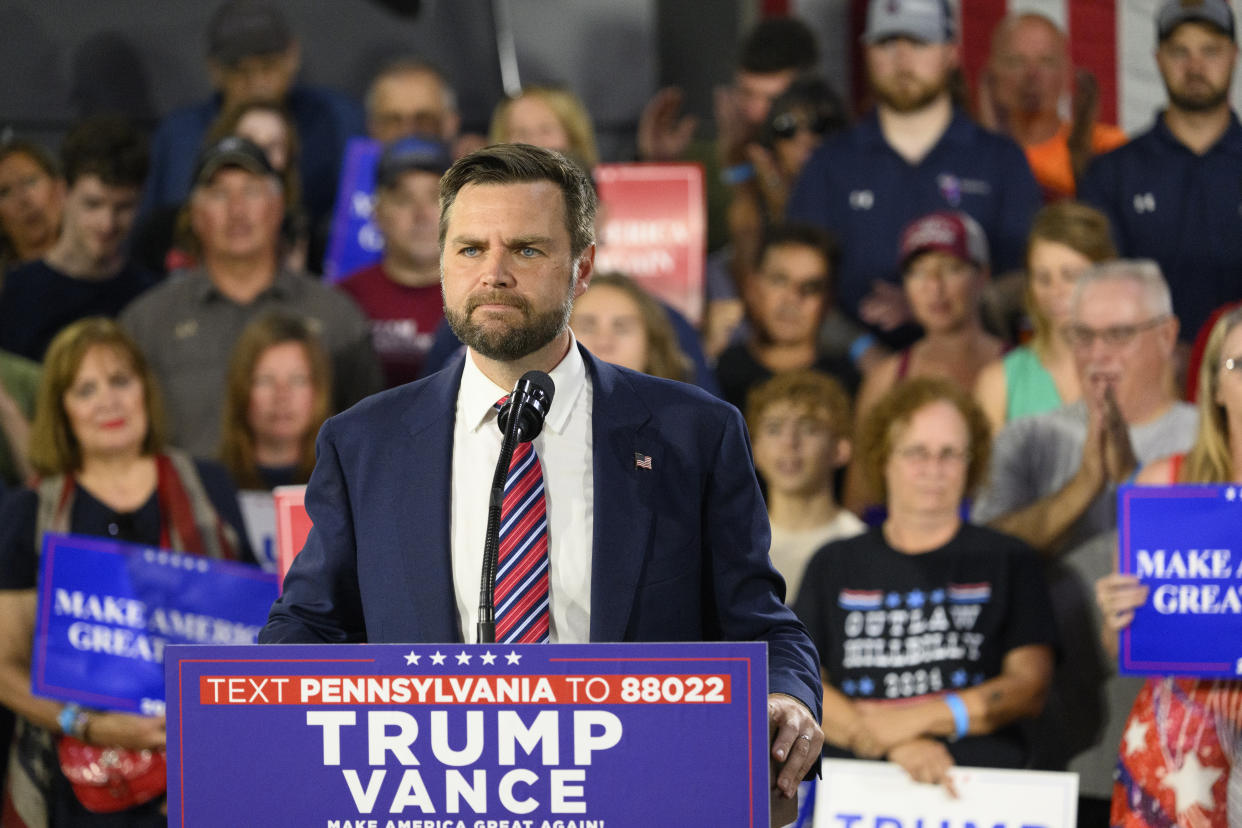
{"type": "Point", "coordinates": [856, 794]}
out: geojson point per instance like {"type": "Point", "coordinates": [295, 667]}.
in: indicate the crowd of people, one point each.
{"type": "Point", "coordinates": [955, 324]}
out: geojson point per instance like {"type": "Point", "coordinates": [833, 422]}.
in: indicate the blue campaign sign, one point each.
{"type": "Point", "coordinates": [108, 610]}
{"type": "Point", "coordinates": [1185, 543]}
{"type": "Point", "coordinates": [355, 240]}
{"type": "Point", "coordinates": [458, 736]}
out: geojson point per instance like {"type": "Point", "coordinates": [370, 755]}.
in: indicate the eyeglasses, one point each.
{"type": "Point", "coordinates": [787, 124]}
{"type": "Point", "coordinates": [922, 455]}
{"type": "Point", "coordinates": [1080, 336]}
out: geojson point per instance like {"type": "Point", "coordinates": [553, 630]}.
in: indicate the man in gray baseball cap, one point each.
{"type": "Point", "coordinates": [1176, 185]}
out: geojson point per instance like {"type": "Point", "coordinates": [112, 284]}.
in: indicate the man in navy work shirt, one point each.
{"type": "Point", "coordinates": [915, 154]}
{"type": "Point", "coordinates": [1174, 193]}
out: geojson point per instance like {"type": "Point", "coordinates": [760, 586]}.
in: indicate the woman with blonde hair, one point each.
{"type": "Point", "coordinates": [1065, 239]}
{"type": "Point", "coordinates": [551, 117]}
{"type": "Point", "coordinates": [1175, 718]}
{"type": "Point", "coordinates": [98, 442]}
{"type": "Point", "coordinates": [279, 392]}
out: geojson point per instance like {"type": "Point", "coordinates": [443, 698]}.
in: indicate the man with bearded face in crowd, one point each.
{"type": "Point", "coordinates": [916, 154]}
{"type": "Point", "coordinates": [1172, 194]}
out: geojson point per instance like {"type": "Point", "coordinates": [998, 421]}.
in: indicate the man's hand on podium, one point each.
{"type": "Point", "coordinates": [796, 741]}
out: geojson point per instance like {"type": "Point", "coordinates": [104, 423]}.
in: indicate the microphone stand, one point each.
{"type": "Point", "coordinates": [486, 626]}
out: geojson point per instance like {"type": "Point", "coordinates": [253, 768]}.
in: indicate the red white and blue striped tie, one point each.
{"type": "Point", "coordinates": [522, 567]}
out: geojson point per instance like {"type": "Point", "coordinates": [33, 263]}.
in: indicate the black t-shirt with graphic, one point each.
{"type": "Point", "coordinates": [892, 626]}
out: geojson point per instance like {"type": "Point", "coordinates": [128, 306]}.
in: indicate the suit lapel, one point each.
{"type": "Point", "coordinates": [623, 506]}
{"type": "Point", "coordinates": [427, 557]}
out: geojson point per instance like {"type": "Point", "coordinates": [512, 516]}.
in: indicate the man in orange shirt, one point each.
{"type": "Point", "coordinates": [1027, 75]}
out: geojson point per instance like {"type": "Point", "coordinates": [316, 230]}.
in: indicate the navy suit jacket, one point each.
{"type": "Point", "coordinates": [680, 551]}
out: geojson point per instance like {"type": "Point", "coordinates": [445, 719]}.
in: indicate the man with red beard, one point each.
{"type": "Point", "coordinates": [917, 153]}
{"type": "Point", "coordinates": [1176, 186]}
{"type": "Point", "coordinates": [1053, 483]}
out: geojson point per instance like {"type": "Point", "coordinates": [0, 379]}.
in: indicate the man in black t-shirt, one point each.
{"type": "Point", "coordinates": [86, 272]}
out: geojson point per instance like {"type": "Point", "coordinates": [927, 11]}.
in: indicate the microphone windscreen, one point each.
{"type": "Point", "coordinates": [541, 381]}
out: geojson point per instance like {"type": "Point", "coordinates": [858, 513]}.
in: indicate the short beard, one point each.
{"type": "Point", "coordinates": [515, 342]}
{"type": "Point", "coordinates": [915, 100]}
{"type": "Point", "coordinates": [1199, 103]}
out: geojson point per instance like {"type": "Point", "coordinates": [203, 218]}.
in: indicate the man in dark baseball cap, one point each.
{"type": "Point", "coordinates": [252, 54]}
{"type": "Point", "coordinates": [1176, 185]}
{"type": "Point", "coordinates": [233, 151]}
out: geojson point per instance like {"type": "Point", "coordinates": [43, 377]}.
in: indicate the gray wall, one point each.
{"type": "Point", "coordinates": [62, 58]}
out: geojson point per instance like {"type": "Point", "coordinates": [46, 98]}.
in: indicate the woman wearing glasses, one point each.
{"type": "Point", "coordinates": [934, 634]}
{"type": "Point", "coordinates": [1177, 721]}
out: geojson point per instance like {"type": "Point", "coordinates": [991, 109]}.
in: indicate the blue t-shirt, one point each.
{"type": "Point", "coordinates": [859, 188]}
{"type": "Point", "coordinates": [38, 301]}
{"type": "Point", "coordinates": [1181, 209]}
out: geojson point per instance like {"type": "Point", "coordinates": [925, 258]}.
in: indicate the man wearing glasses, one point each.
{"type": "Point", "coordinates": [1053, 483]}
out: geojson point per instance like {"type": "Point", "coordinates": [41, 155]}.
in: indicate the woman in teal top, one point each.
{"type": "Point", "coordinates": [1065, 238]}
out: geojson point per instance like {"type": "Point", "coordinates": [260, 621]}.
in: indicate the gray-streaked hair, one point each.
{"type": "Point", "coordinates": [1143, 272]}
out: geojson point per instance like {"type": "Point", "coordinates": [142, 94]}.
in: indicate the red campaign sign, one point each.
{"type": "Point", "coordinates": [292, 526]}
{"type": "Point", "coordinates": [653, 229]}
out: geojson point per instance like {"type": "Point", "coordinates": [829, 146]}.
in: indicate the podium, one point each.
{"type": "Point", "coordinates": [450, 735]}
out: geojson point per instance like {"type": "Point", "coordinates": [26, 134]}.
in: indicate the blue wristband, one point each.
{"type": "Point", "coordinates": [737, 174]}
{"type": "Point", "coordinates": [961, 718]}
{"type": "Point", "coordinates": [68, 717]}
{"type": "Point", "coordinates": [860, 346]}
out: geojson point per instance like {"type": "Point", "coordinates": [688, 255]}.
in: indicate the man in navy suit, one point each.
{"type": "Point", "coordinates": [656, 527]}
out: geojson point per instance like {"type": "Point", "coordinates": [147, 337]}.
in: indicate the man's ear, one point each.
{"type": "Point", "coordinates": [845, 451]}
{"type": "Point", "coordinates": [586, 269]}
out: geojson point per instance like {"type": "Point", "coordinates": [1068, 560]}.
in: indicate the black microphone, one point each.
{"type": "Point", "coordinates": [531, 398]}
{"type": "Point", "coordinates": [520, 421]}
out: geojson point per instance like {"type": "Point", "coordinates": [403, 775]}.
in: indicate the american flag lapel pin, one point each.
{"type": "Point", "coordinates": [642, 461]}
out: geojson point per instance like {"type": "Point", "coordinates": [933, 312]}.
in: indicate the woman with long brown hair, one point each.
{"type": "Point", "coordinates": [279, 393]}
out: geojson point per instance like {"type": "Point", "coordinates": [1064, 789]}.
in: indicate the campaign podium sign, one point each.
{"type": "Point", "coordinates": [452, 735]}
{"type": "Point", "coordinates": [854, 794]}
{"type": "Point", "coordinates": [653, 228]}
{"type": "Point", "coordinates": [1184, 543]}
{"type": "Point", "coordinates": [107, 612]}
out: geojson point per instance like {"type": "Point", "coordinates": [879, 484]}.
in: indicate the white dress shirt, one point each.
{"type": "Point", "coordinates": [564, 449]}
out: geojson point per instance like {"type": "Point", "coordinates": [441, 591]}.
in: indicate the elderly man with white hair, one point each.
{"type": "Point", "coordinates": [1053, 483]}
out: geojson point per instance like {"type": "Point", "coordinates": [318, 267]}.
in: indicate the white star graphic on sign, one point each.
{"type": "Point", "coordinates": [412, 658]}
{"type": "Point", "coordinates": [1136, 736]}
{"type": "Point", "coordinates": [437, 658]}
{"type": "Point", "coordinates": [1192, 784]}
{"type": "Point", "coordinates": [488, 657]}
{"type": "Point", "coordinates": [513, 658]}
{"type": "Point", "coordinates": [463, 657]}
{"type": "Point", "coordinates": [1231, 494]}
